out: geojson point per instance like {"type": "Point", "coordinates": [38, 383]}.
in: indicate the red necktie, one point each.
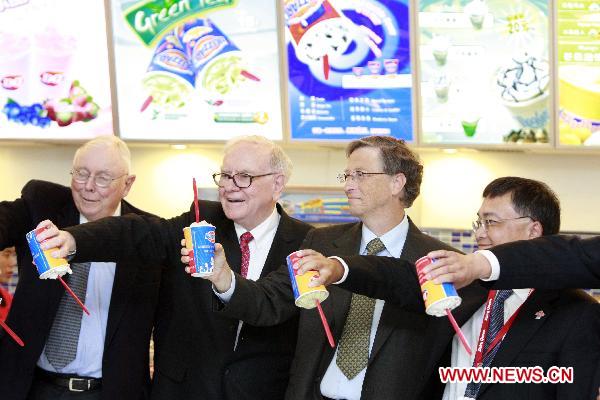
{"type": "Point", "coordinates": [244, 240]}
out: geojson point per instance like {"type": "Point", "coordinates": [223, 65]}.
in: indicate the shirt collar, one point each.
{"type": "Point", "coordinates": [262, 229]}
{"type": "Point", "coordinates": [393, 239]}
{"type": "Point", "coordinates": [522, 294]}
{"type": "Point", "coordinates": [83, 220]}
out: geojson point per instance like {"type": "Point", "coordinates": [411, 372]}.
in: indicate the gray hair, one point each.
{"type": "Point", "coordinates": [108, 141]}
{"type": "Point", "coordinates": [280, 162]}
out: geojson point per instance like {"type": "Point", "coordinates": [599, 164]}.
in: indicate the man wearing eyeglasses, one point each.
{"type": "Point", "coordinates": [69, 355]}
{"type": "Point", "coordinates": [525, 327]}
{"type": "Point", "coordinates": [200, 354]}
{"type": "Point", "coordinates": [379, 346]}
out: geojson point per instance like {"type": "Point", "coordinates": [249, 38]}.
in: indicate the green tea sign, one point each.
{"type": "Point", "coordinates": [150, 19]}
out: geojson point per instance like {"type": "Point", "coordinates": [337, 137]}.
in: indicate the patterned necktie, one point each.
{"type": "Point", "coordinates": [353, 348]}
{"type": "Point", "coordinates": [496, 323]}
{"type": "Point", "coordinates": [61, 346]}
{"type": "Point", "coordinates": [244, 240]}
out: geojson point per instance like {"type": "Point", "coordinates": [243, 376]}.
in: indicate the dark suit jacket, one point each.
{"type": "Point", "coordinates": [194, 346]}
{"type": "Point", "coordinates": [399, 352]}
{"type": "Point", "coordinates": [130, 316]}
{"type": "Point", "coordinates": [567, 335]}
{"type": "Point", "coordinates": [549, 262]}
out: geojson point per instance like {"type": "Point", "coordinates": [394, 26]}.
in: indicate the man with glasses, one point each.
{"type": "Point", "coordinates": [380, 349]}
{"type": "Point", "coordinates": [67, 354]}
{"type": "Point", "coordinates": [525, 327]}
{"type": "Point", "coordinates": [200, 354]}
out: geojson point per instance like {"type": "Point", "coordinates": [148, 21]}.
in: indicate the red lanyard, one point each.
{"type": "Point", "coordinates": [485, 324]}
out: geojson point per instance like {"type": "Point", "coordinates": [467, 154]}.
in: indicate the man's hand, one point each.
{"type": "Point", "coordinates": [457, 268]}
{"type": "Point", "coordinates": [51, 237]}
{"type": "Point", "coordinates": [330, 270]}
{"type": "Point", "coordinates": [221, 276]}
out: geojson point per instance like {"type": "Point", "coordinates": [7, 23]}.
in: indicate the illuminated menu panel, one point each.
{"type": "Point", "coordinates": [484, 71]}
{"type": "Point", "coordinates": [196, 70]}
{"type": "Point", "coordinates": [54, 79]}
{"type": "Point", "coordinates": [349, 72]}
{"type": "Point", "coordinates": [578, 33]}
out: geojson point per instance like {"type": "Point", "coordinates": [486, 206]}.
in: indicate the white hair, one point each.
{"type": "Point", "coordinates": [108, 141]}
{"type": "Point", "coordinates": [280, 162]}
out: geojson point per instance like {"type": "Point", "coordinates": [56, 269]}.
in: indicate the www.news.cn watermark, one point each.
{"type": "Point", "coordinates": [506, 375]}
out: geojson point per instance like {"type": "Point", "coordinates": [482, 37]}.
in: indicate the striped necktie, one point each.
{"type": "Point", "coordinates": [61, 346]}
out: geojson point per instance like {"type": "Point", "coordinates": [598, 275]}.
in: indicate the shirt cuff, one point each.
{"type": "Point", "coordinates": [226, 296]}
{"type": "Point", "coordinates": [493, 262]}
{"type": "Point", "coordinates": [343, 278]}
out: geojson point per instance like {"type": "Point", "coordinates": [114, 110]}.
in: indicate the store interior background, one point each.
{"type": "Point", "coordinates": [449, 199]}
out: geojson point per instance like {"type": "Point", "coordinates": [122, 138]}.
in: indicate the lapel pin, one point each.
{"type": "Point", "coordinates": [540, 314]}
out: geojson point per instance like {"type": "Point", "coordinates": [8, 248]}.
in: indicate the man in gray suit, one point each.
{"type": "Point", "coordinates": [381, 349]}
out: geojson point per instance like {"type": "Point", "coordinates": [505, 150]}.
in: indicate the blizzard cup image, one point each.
{"type": "Point", "coordinates": [304, 296]}
{"type": "Point", "coordinates": [200, 241]}
{"type": "Point", "coordinates": [47, 266]}
{"type": "Point", "coordinates": [437, 297]}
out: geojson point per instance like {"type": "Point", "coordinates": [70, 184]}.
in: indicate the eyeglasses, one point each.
{"type": "Point", "coordinates": [356, 175]}
{"type": "Point", "coordinates": [241, 180]}
{"type": "Point", "coordinates": [490, 223]}
{"type": "Point", "coordinates": [102, 180]}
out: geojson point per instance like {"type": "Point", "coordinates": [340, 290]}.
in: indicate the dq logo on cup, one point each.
{"type": "Point", "coordinates": [305, 296]}
{"type": "Point", "coordinates": [48, 267]}
{"type": "Point", "coordinates": [200, 241]}
{"type": "Point", "coordinates": [438, 298]}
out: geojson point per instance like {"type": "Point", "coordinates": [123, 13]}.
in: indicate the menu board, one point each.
{"type": "Point", "coordinates": [196, 69]}
{"type": "Point", "coordinates": [54, 79]}
{"type": "Point", "coordinates": [349, 69]}
{"type": "Point", "coordinates": [578, 33]}
{"type": "Point", "coordinates": [484, 71]}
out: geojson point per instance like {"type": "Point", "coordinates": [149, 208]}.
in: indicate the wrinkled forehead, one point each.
{"type": "Point", "coordinates": [100, 158]}
{"type": "Point", "coordinates": [247, 157]}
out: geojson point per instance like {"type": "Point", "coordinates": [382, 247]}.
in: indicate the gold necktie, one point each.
{"type": "Point", "coordinates": [353, 348]}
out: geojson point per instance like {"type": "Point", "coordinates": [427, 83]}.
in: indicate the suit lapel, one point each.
{"type": "Point", "coordinates": [524, 328]}
{"type": "Point", "coordinates": [121, 291]}
{"type": "Point", "coordinates": [411, 251]}
{"type": "Point", "coordinates": [338, 304]}
{"type": "Point", "coordinates": [347, 244]}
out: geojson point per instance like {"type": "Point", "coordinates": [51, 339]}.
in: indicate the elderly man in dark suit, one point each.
{"type": "Point", "coordinates": [380, 349]}
{"type": "Point", "coordinates": [105, 355]}
{"type": "Point", "coordinates": [200, 354]}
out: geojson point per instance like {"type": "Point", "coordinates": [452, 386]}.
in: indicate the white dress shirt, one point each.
{"type": "Point", "coordinates": [335, 384]}
{"type": "Point", "coordinates": [90, 348]}
{"type": "Point", "coordinates": [471, 330]}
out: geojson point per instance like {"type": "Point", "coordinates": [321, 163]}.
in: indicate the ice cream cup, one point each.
{"type": "Point", "coordinates": [47, 266]}
{"type": "Point", "coordinates": [15, 62]}
{"type": "Point", "coordinates": [54, 53]}
{"type": "Point", "coordinates": [437, 297]}
{"type": "Point", "coordinates": [304, 296]}
{"type": "Point", "coordinates": [533, 113]}
{"type": "Point", "coordinates": [439, 49]}
{"type": "Point", "coordinates": [200, 241]}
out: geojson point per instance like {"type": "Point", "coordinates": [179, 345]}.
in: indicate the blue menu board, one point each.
{"type": "Point", "coordinates": [349, 69]}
